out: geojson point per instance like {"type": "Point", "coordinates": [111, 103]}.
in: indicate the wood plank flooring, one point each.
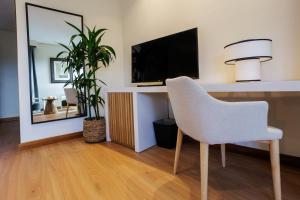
{"type": "Point", "coordinates": [61, 114]}
{"type": "Point", "coordinates": [76, 170]}
{"type": "Point", "coordinates": [9, 135]}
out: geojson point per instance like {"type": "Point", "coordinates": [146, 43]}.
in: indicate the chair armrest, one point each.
{"type": "Point", "coordinates": [256, 111]}
{"type": "Point", "coordinates": [240, 121]}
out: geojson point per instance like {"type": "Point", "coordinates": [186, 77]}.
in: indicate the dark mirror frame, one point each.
{"type": "Point", "coordinates": [28, 44]}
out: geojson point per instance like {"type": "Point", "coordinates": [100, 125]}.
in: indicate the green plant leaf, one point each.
{"type": "Point", "coordinates": [75, 27]}
{"type": "Point", "coordinates": [86, 52]}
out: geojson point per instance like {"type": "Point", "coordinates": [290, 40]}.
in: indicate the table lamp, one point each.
{"type": "Point", "coordinates": [247, 56]}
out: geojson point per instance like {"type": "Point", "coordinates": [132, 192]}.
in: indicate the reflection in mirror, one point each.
{"type": "Point", "coordinates": [50, 98]}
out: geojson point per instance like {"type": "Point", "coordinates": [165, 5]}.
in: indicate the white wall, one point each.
{"type": "Point", "coordinates": [9, 100]}
{"type": "Point", "coordinates": [43, 53]}
{"type": "Point", "coordinates": [219, 23]}
{"type": "Point", "coordinates": [103, 13]}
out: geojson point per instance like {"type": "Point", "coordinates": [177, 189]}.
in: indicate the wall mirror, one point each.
{"type": "Point", "coordinates": [51, 100]}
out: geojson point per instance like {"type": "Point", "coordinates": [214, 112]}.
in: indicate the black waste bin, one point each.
{"type": "Point", "coordinates": [165, 133]}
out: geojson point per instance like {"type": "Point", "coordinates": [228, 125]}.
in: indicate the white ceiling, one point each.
{"type": "Point", "coordinates": [7, 15]}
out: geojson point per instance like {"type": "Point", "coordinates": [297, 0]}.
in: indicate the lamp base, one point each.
{"type": "Point", "coordinates": [248, 70]}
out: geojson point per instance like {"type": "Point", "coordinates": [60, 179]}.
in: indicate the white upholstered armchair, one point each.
{"type": "Point", "coordinates": [211, 121]}
{"type": "Point", "coordinates": [71, 98]}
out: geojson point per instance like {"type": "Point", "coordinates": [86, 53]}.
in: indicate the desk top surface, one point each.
{"type": "Point", "coordinates": [261, 86]}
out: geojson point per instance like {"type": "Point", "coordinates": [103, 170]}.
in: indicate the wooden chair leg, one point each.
{"type": "Point", "coordinates": [204, 149]}
{"type": "Point", "coordinates": [67, 110]}
{"type": "Point", "coordinates": [178, 149]}
{"type": "Point", "coordinates": [275, 163]}
{"type": "Point", "coordinates": [223, 155]}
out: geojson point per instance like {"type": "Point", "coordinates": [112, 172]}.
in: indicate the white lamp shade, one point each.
{"type": "Point", "coordinates": [248, 49]}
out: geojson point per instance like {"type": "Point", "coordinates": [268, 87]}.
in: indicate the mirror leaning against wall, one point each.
{"type": "Point", "coordinates": [52, 95]}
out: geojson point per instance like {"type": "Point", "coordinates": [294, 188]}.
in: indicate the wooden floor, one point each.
{"type": "Point", "coordinates": [61, 114]}
{"type": "Point", "coordinates": [76, 170]}
{"type": "Point", "coordinates": [9, 135]}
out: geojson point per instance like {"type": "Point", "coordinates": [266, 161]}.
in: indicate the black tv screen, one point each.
{"type": "Point", "coordinates": [168, 57]}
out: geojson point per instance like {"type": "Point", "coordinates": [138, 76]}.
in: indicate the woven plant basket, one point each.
{"type": "Point", "coordinates": [94, 130]}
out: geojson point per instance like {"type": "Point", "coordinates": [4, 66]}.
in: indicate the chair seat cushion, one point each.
{"type": "Point", "coordinates": [275, 133]}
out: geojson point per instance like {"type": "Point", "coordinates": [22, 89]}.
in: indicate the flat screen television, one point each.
{"type": "Point", "coordinates": [167, 57]}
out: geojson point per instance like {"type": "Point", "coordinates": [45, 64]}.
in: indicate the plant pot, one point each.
{"type": "Point", "coordinates": [94, 130]}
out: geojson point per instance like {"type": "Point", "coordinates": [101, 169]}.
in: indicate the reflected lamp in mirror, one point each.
{"type": "Point", "coordinates": [247, 56]}
{"type": "Point", "coordinates": [46, 28]}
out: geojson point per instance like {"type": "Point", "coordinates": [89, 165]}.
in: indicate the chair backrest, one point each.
{"type": "Point", "coordinates": [71, 95]}
{"type": "Point", "coordinates": [194, 109]}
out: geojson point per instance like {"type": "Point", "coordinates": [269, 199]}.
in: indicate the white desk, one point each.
{"type": "Point", "coordinates": [151, 104]}
{"type": "Point", "coordinates": [261, 86]}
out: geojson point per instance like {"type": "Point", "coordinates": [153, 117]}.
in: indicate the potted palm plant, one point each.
{"type": "Point", "coordinates": [87, 54]}
{"type": "Point", "coordinates": [73, 55]}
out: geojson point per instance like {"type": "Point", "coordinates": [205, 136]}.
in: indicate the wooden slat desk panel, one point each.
{"type": "Point", "coordinates": [121, 118]}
